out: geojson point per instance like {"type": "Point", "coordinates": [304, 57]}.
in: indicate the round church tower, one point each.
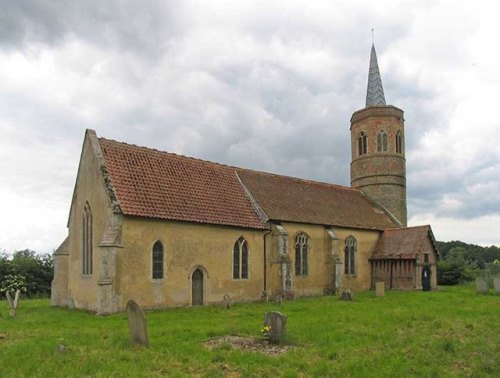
{"type": "Point", "coordinates": [377, 148]}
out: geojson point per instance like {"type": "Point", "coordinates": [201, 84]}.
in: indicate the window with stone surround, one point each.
{"type": "Point", "coordinates": [399, 142]}
{"type": "Point", "coordinates": [362, 143]}
{"type": "Point", "coordinates": [301, 254]}
{"type": "Point", "coordinates": [350, 256]}
{"type": "Point", "coordinates": [240, 259]}
{"type": "Point", "coordinates": [381, 141]}
{"type": "Point", "coordinates": [87, 241]}
{"type": "Point", "coordinates": [157, 260]}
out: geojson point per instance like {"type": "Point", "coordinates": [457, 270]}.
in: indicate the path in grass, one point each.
{"type": "Point", "coordinates": [446, 333]}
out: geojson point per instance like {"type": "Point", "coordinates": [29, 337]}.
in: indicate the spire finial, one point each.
{"type": "Point", "coordinates": [373, 38]}
{"type": "Point", "coordinates": [375, 92]}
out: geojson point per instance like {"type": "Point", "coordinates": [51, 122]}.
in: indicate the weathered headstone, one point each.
{"type": "Point", "coordinates": [380, 289]}
{"type": "Point", "coordinates": [347, 294]}
{"type": "Point", "coordinates": [13, 303]}
{"type": "Point", "coordinates": [481, 285]}
{"type": "Point", "coordinates": [137, 324]}
{"type": "Point", "coordinates": [277, 323]}
{"type": "Point", "coordinates": [226, 300]}
{"type": "Point", "coordinates": [496, 284]}
{"type": "Point", "coordinates": [278, 300]}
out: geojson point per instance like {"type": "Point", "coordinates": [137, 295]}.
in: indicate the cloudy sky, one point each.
{"type": "Point", "coordinates": [268, 85]}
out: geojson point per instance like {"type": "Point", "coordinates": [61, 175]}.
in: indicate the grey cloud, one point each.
{"type": "Point", "coordinates": [140, 25]}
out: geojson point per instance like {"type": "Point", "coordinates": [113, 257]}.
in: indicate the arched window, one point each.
{"type": "Point", "coordinates": [399, 142]}
{"type": "Point", "coordinates": [362, 143]}
{"type": "Point", "coordinates": [350, 256]}
{"type": "Point", "coordinates": [157, 260]}
{"type": "Point", "coordinates": [301, 251]}
{"type": "Point", "coordinates": [382, 141]}
{"type": "Point", "coordinates": [87, 241]}
{"type": "Point", "coordinates": [240, 259]}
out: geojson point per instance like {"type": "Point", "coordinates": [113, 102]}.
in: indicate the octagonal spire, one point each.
{"type": "Point", "coordinates": [375, 92]}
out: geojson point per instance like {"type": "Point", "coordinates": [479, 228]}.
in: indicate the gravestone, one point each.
{"type": "Point", "coordinates": [226, 300]}
{"type": "Point", "coordinates": [278, 300]}
{"type": "Point", "coordinates": [380, 289]}
{"type": "Point", "coordinates": [346, 294]}
{"type": "Point", "coordinates": [496, 284]}
{"type": "Point", "coordinates": [481, 285]}
{"type": "Point", "coordinates": [13, 302]}
{"type": "Point", "coordinates": [137, 324]}
{"type": "Point", "coordinates": [277, 323]}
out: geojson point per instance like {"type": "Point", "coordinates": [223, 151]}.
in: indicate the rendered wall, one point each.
{"type": "Point", "coordinates": [187, 247]}
{"type": "Point", "coordinates": [89, 187]}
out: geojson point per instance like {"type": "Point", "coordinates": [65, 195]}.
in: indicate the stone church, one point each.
{"type": "Point", "coordinates": [168, 230]}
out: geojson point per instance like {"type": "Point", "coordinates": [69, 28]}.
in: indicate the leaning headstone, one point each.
{"type": "Point", "coordinates": [481, 285]}
{"type": "Point", "coordinates": [496, 284]}
{"type": "Point", "coordinates": [13, 303]}
{"type": "Point", "coordinates": [226, 300]}
{"type": "Point", "coordinates": [137, 324]}
{"type": "Point", "coordinates": [380, 289]}
{"type": "Point", "coordinates": [276, 322]}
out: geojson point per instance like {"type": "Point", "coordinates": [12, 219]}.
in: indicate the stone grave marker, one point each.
{"type": "Point", "coordinates": [277, 322]}
{"type": "Point", "coordinates": [226, 300]}
{"type": "Point", "coordinates": [380, 289]}
{"type": "Point", "coordinates": [481, 285]}
{"type": "Point", "coordinates": [278, 300]}
{"type": "Point", "coordinates": [13, 302]}
{"type": "Point", "coordinates": [346, 294]}
{"type": "Point", "coordinates": [496, 284]}
{"type": "Point", "coordinates": [137, 324]}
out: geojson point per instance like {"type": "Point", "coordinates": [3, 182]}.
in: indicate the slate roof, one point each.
{"type": "Point", "coordinates": [156, 184]}
{"type": "Point", "coordinates": [375, 90]}
{"type": "Point", "coordinates": [402, 243]}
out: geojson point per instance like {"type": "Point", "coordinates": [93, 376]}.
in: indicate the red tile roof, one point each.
{"type": "Point", "coordinates": [290, 199]}
{"type": "Point", "coordinates": [155, 184]}
{"type": "Point", "coordinates": [402, 243]}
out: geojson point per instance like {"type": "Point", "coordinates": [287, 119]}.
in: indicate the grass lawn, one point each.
{"type": "Point", "coordinates": [451, 332]}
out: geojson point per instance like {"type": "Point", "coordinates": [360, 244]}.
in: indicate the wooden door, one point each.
{"type": "Point", "coordinates": [197, 287]}
{"type": "Point", "coordinates": [426, 278]}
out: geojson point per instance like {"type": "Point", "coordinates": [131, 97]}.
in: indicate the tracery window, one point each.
{"type": "Point", "coordinates": [87, 241]}
{"type": "Point", "coordinates": [157, 260]}
{"type": "Point", "coordinates": [350, 256]}
{"type": "Point", "coordinates": [240, 259]}
{"type": "Point", "coordinates": [382, 141]}
{"type": "Point", "coordinates": [362, 143]}
{"type": "Point", "coordinates": [399, 142]}
{"type": "Point", "coordinates": [301, 254]}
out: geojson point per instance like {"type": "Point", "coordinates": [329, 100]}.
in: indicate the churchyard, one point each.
{"type": "Point", "coordinates": [450, 332]}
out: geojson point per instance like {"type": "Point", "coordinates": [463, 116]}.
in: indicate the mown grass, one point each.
{"type": "Point", "coordinates": [451, 332]}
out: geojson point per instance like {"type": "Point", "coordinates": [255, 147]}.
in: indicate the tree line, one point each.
{"type": "Point", "coordinates": [461, 262]}
{"type": "Point", "coordinates": [28, 271]}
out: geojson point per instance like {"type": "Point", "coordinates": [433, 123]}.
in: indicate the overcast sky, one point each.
{"type": "Point", "coordinates": [268, 85]}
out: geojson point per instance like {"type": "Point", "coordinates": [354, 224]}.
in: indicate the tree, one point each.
{"type": "Point", "coordinates": [457, 267]}
{"type": "Point", "coordinates": [36, 271]}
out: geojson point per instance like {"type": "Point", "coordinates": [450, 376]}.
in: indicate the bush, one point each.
{"type": "Point", "coordinates": [35, 270]}
{"type": "Point", "coordinates": [456, 269]}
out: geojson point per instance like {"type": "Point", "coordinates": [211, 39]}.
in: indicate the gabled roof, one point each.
{"type": "Point", "coordinates": [156, 184]}
{"type": "Point", "coordinates": [290, 199]}
{"type": "Point", "coordinates": [403, 243]}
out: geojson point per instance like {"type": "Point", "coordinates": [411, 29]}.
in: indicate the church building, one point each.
{"type": "Point", "coordinates": [168, 230]}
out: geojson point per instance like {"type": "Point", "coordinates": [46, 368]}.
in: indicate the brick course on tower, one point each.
{"type": "Point", "coordinates": [378, 161]}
